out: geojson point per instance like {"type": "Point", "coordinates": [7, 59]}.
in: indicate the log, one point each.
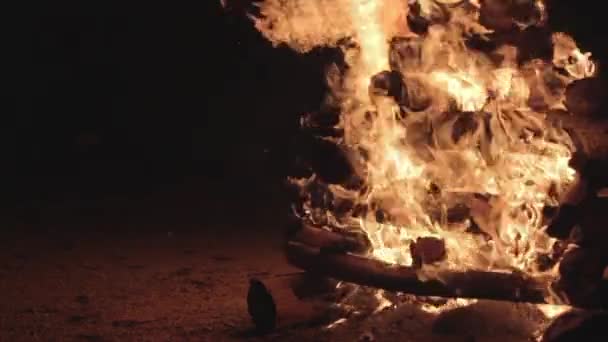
{"type": "Point", "coordinates": [582, 278]}
{"type": "Point", "coordinates": [577, 326]}
{"type": "Point", "coordinates": [289, 300]}
{"type": "Point", "coordinates": [427, 250]}
{"type": "Point", "coordinates": [332, 241]}
{"type": "Point", "coordinates": [368, 272]}
{"type": "Point", "coordinates": [585, 97]}
{"type": "Point", "coordinates": [500, 15]}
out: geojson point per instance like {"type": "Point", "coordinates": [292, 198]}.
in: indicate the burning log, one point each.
{"type": "Point", "coordinates": [388, 83]}
{"type": "Point", "coordinates": [331, 241]}
{"type": "Point", "coordinates": [427, 250]}
{"type": "Point", "coordinates": [290, 300]}
{"type": "Point", "coordinates": [563, 222]}
{"type": "Point", "coordinates": [503, 15]}
{"type": "Point", "coordinates": [582, 278]}
{"type": "Point", "coordinates": [405, 53]}
{"type": "Point", "coordinates": [410, 93]}
{"type": "Point", "coordinates": [584, 97]}
{"type": "Point", "coordinates": [369, 272]}
{"type": "Point", "coordinates": [415, 21]}
{"type": "Point", "coordinates": [419, 22]}
{"type": "Point", "coordinates": [322, 123]}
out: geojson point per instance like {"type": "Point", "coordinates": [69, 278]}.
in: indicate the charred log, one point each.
{"type": "Point", "coordinates": [388, 83]}
{"type": "Point", "coordinates": [581, 277]}
{"type": "Point", "coordinates": [574, 326]}
{"type": "Point", "coordinates": [418, 95]}
{"type": "Point", "coordinates": [322, 124]}
{"type": "Point", "coordinates": [419, 22]}
{"type": "Point", "coordinates": [411, 94]}
{"type": "Point", "coordinates": [427, 250]}
{"type": "Point", "coordinates": [465, 124]}
{"type": "Point", "coordinates": [331, 241]}
{"type": "Point", "coordinates": [405, 53]}
{"type": "Point", "coordinates": [326, 118]}
{"type": "Point", "coordinates": [415, 21]}
{"type": "Point", "coordinates": [368, 272]}
{"type": "Point", "coordinates": [563, 220]}
{"type": "Point", "coordinates": [584, 97]}
{"type": "Point", "coordinates": [532, 43]}
{"type": "Point", "coordinates": [592, 221]}
{"type": "Point", "coordinates": [503, 15]}
{"type": "Point", "coordinates": [291, 300]}
{"type": "Point", "coordinates": [547, 86]}
{"type": "Point", "coordinates": [595, 172]}
{"type": "Point", "coordinates": [483, 42]}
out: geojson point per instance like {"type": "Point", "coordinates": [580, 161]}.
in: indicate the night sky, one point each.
{"type": "Point", "coordinates": [104, 98]}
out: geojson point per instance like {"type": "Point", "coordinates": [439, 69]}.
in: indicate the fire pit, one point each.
{"type": "Point", "coordinates": [446, 169]}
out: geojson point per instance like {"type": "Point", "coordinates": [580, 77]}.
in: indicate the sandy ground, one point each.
{"type": "Point", "coordinates": [161, 269]}
{"type": "Point", "coordinates": [191, 287]}
{"type": "Point", "coordinates": [173, 265]}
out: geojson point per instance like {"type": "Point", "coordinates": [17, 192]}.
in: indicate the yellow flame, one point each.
{"type": "Point", "coordinates": [449, 305]}
{"type": "Point", "coordinates": [552, 311]}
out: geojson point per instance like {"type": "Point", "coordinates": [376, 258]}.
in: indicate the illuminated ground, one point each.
{"type": "Point", "coordinates": [158, 269]}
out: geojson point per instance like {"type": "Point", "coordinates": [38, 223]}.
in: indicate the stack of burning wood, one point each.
{"type": "Point", "coordinates": [324, 251]}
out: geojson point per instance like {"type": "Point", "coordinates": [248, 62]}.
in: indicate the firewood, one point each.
{"type": "Point", "coordinates": [290, 300]}
{"type": "Point", "coordinates": [405, 53]}
{"type": "Point", "coordinates": [322, 123]}
{"type": "Point", "coordinates": [419, 23]}
{"type": "Point", "coordinates": [585, 97]}
{"type": "Point", "coordinates": [562, 223]}
{"type": "Point", "coordinates": [581, 277]}
{"type": "Point", "coordinates": [501, 15]}
{"type": "Point", "coordinates": [353, 242]}
{"type": "Point", "coordinates": [411, 93]}
{"type": "Point", "coordinates": [574, 326]}
{"type": "Point", "coordinates": [329, 161]}
{"type": "Point", "coordinates": [427, 250]}
{"type": "Point", "coordinates": [415, 21]}
{"type": "Point", "coordinates": [369, 272]}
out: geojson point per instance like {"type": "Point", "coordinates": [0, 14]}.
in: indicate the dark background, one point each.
{"type": "Point", "coordinates": [108, 101]}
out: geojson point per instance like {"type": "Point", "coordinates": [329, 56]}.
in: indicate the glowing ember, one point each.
{"type": "Point", "coordinates": [451, 304]}
{"type": "Point", "coordinates": [431, 124]}
{"type": "Point", "coordinates": [552, 311]}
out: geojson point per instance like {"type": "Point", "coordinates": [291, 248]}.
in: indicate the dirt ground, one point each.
{"type": "Point", "coordinates": [191, 287]}
{"type": "Point", "coordinates": [173, 265]}
{"type": "Point", "coordinates": [158, 268]}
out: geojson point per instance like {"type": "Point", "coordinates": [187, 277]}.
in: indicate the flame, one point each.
{"type": "Point", "coordinates": [552, 311]}
{"type": "Point", "coordinates": [449, 305]}
{"type": "Point", "coordinates": [457, 127]}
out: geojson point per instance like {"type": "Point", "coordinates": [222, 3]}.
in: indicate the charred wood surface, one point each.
{"type": "Point", "coordinates": [374, 273]}
{"type": "Point", "coordinates": [585, 97]}
{"type": "Point", "coordinates": [290, 300]}
{"type": "Point", "coordinates": [577, 326]}
{"type": "Point", "coordinates": [330, 241]}
{"type": "Point", "coordinates": [582, 278]}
